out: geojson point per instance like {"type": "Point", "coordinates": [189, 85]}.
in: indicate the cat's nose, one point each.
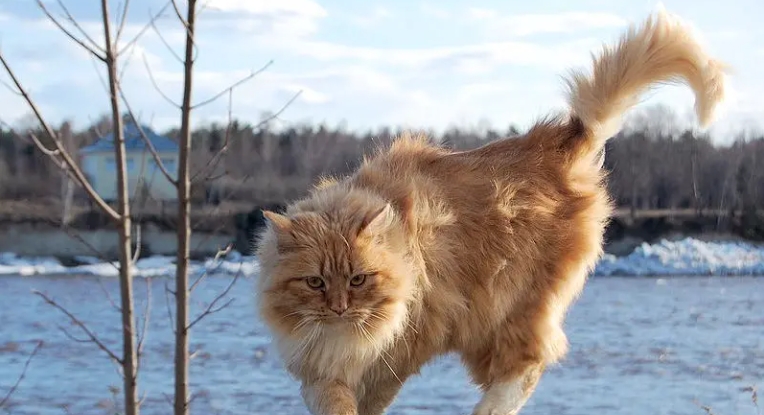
{"type": "Point", "coordinates": [339, 307]}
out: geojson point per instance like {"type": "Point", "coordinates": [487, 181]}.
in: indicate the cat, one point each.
{"type": "Point", "coordinates": [424, 251]}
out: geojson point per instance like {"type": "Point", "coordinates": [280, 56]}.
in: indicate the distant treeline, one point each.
{"type": "Point", "coordinates": [649, 169]}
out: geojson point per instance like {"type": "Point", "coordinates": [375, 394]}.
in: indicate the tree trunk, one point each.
{"type": "Point", "coordinates": [184, 225]}
{"type": "Point", "coordinates": [67, 196]}
{"type": "Point", "coordinates": [129, 352]}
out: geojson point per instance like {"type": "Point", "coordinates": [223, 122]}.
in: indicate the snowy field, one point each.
{"type": "Point", "coordinates": [687, 257]}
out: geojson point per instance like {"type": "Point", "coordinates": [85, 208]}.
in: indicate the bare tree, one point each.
{"type": "Point", "coordinates": [181, 401]}
{"type": "Point", "coordinates": [108, 54]}
{"type": "Point", "coordinates": [184, 181]}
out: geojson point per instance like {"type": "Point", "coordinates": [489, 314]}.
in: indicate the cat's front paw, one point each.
{"type": "Point", "coordinates": [329, 398]}
{"type": "Point", "coordinates": [494, 410]}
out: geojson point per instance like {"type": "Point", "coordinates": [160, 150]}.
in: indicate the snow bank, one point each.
{"type": "Point", "coordinates": [153, 266]}
{"type": "Point", "coordinates": [684, 257]}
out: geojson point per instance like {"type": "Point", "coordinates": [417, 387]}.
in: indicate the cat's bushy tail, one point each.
{"type": "Point", "coordinates": [661, 50]}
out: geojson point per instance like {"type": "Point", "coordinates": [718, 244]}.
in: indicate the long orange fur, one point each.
{"type": "Point", "coordinates": [424, 251]}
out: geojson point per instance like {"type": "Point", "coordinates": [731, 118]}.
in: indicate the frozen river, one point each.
{"type": "Point", "coordinates": [638, 346]}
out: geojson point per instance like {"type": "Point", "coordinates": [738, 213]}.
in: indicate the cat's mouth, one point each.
{"type": "Point", "coordinates": [348, 318]}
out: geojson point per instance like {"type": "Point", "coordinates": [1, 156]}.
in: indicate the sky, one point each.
{"type": "Point", "coordinates": [411, 63]}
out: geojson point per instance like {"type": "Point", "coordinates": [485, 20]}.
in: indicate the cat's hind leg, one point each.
{"type": "Point", "coordinates": [508, 363]}
{"type": "Point", "coordinates": [508, 395]}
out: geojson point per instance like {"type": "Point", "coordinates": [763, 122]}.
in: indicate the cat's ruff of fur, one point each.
{"type": "Point", "coordinates": [425, 251]}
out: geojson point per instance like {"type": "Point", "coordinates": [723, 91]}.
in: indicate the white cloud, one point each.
{"type": "Point", "coordinates": [447, 63]}
{"type": "Point", "coordinates": [272, 19]}
{"type": "Point", "coordinates": [475, 58]}
{"type": "Point", "coordinates": [269, 7]}
{"type": "Point", "coordinates": [377, 15]}
{"type": "Point", "coordinates": [308, 94]}
{"type": "Point", "coordinates": [431, 10]}
{"type": "Point", "coordinates": [493, 22]}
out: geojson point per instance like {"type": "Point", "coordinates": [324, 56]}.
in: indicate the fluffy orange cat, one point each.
{"type": "Point", "coordinates": [425, 251]}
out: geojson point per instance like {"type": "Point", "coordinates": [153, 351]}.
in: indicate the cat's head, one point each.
{"type": "Point", "coordinates": [335, 264]}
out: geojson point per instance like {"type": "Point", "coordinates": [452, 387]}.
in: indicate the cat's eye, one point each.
{"type": "Point", "coordinates": [315, 282]}
{"type": "Point", "coordinates": [358, 280]}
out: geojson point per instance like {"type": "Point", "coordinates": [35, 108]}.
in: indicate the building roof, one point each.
{"type": "Point", "coordinates": [134, 142]}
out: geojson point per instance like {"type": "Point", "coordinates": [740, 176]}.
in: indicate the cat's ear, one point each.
{"type": "Point", "coordinates": [283, 228]}
{"type": "Point", "coordinates": [279, 222]}
{"type": "Point", "coordinates": [376, 221]}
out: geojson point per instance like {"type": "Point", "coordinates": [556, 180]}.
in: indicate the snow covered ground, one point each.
{"type": "Point", "coordinates": [686, 257]}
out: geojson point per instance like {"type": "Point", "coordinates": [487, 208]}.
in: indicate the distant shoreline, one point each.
{"type": "Point", "coordinates": [675, 257]}
{"type": "Point", "coordinates": [35, 230]}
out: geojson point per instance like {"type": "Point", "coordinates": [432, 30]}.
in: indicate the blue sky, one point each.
{"type": "Point", "coordinates": [413, 63]}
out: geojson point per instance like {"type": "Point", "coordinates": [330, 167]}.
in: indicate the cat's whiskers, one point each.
{"type": "Point", "coordinates": [384, 316]}
{"type": "Point", "coordinates": [302, 323]}
{"type": "Point", "coordinates": [307, 341]}
{"type": "Point", "coordinates": [380, 352]}
{"type": "Point", "coordinates": [381, 315]}
{"type": "Point", "coordinates": [293, 313]}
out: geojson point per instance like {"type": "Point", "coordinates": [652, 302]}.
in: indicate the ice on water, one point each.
{"type": "Point", "coordinates": [685, 257]}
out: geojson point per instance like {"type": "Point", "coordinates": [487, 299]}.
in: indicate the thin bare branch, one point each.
{"type": "Point", "coordinates": [143, 30]}
{"type": "Point", "coordinates": [66, 31]}
{"type": "Point", "coordinates": [122, 21]}
{"type": "Point", "coordinates": [211, 309]}
{"type": "Point", "coordinates": [77, 26]}
{"type": "Point", "coordinates": [167, 293]}
{"type": "Point", "coordinates": [91, 336]}
{"type": "Point", "coordinates": [203, 8]}
{"type": "Point", "coordinates": [137, 252]}
{"type": "Point", "coordinates": [76, 236]}
{"type": "Point", "coordinates": [212, 163]}
{"type": "Point", "coordinates": [193, 395]}
{"type": "Point", "coordinates": [276, 114]}
{"type": "Point", "coordinates": [145, 325]}
{"type": "Point", "coordinates": [178, 14]}
{"type": "Point", "coordinates": [217, 209]}
{"type": "Point", "coordinates": [45, 150]}
{"type": "Point", "coordinates": [99, 134]}
{"type": "Point", "coordinates": [167, 398]}
{"type": "Point", "coordinates": [100, 76]}
{"type": "Point", "coordinates": [143, 399]}
{"type": "Point", "coordinates": [233, 86]}
{"type": "Point", "coordinates": [156, 86]}
{"type": "Point", "coordinates": [149, 144]}
{"type": "Point", "coordinates": [23, 373]}
{"type": "Point", "coordinates": [216, 177]}
{"type": "Point", "coordinates": [125, 64]}
{"type": "Point", "coordinates": [166, 44]}
{"type": "Point", "coordinates": [70, 336]}
{"type": "Point", "coordinates": [10, 88]}
{"type": "Point", "coordinates": [107, 295]}
{"type": "Point", "coordinates": [79, 176]}
{"type": "Point", "coordinates": [189, 34]}
{"type": "Point", "coordinates": [219, 254]}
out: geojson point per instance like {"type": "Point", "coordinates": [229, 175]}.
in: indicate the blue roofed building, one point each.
{"type": "Point", "coordinates": [100, 167]}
